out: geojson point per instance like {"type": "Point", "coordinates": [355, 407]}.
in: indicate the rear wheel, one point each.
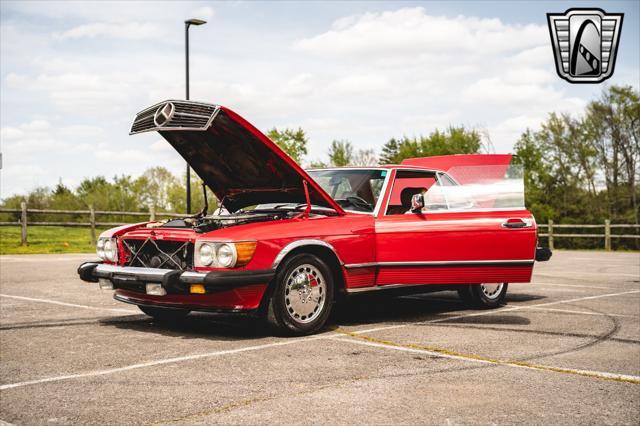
{"type": "Point", "coordinates": [484, 295]}
{"type": "Point", "coordinates": [302, 296]}
{"type": "Point", "coordinates": [164, 314]}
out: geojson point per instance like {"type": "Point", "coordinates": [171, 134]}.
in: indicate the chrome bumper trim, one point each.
{"type": "Point", "coordinates": [191, 277]}
{"type": "Point", "coordinates": [147, 274]}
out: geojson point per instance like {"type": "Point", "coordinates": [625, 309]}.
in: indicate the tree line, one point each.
{"type": "Point", "coordinates": [578, 168]}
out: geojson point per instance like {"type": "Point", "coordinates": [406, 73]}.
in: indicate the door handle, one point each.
{"type": "Point", "coordinates": [515, 224]}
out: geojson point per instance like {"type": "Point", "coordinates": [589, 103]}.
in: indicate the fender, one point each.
{"type": "Point", "coordinates": [301, 243]}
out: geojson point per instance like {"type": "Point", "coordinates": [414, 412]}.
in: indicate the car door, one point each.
{"type": "Point", "coordinates": [450, 241]}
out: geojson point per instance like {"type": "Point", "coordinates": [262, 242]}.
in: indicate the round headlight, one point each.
{"type": "Point", "coordinates": [226, 255]}
{"type": "Point", "coordinates": [110, 250]}
{"type": "Point", "coordinates": [100, 248]}
{"type": "Point", "coordinates": [206, 254]}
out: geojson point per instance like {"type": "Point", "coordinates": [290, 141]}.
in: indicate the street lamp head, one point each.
{"type": "Point", "coordinates": [195, 21]}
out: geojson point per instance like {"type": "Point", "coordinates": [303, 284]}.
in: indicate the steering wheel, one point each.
{"type": "Point", "coordinates": [357, 201]}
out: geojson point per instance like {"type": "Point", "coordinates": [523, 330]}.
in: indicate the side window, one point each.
{"type": "Point", "coordinates": [445, 180]}
{"type": "Point", "coordinates": [455, 196]}
{"type": "Point", "coordinates": [407, 184]}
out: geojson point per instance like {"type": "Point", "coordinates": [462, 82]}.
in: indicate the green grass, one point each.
{"type": "Point", "coordinates": [47, 239]}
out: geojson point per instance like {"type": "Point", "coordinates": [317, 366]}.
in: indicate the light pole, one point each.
{"type": "Point", "coordinates": [187, 24]}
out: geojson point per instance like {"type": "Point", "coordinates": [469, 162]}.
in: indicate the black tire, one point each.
{"type": "Point", "coordinates": [481, 296]}
{"type": "Point", "coordinates": [287, 310]}
{"type": "Point", "coordinates": [164, 314]}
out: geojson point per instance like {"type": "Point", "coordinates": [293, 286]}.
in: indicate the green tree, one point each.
{"type": "Point", "coordinates": [63, 198]}
{"type": "Point", "coordinates": [154, 186]}
{"type": "Point", "coordinates": [177, 195]}
{"type": "Point", "coordinates": [97, 192]}
{"type": "Point", "coordinates": [364, 157]}
{"type": "Point", "coordinates": [340, 153]}
{"type": "Point", "coordinates": [585, 169]}
{"type": "Point", "coordinates": [454, 140]}
{"type": "Point", "coordinates": [390, 152]}
{"type": "Point", "coordinates": [613, 124]}
{"type": "Point", "coordinates": [292, 141]}
{"type": "Point", "coordinates": [318, 164]}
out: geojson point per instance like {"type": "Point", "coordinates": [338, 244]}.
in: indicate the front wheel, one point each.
{"type": "Point", "coordinates": [484, 296]}
{"type": "Point", "coordinates": [302, 296]}
{"type": "Point", "coordinates": [164, 314]}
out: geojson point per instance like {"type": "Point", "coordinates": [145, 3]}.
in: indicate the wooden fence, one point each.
{"type": "Point", "coordinates": [607, 235]}
{"type": "Point", "coordinates": [92, 223]}
{"type": "Point", "coordinates": [550, 227]}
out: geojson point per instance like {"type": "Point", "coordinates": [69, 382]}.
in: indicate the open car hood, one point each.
{"type": "Point", "coordinates": [238, 162]}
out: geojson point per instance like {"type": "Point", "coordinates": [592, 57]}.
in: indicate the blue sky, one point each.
{"type": "Point", "coordinates": [73, 74]}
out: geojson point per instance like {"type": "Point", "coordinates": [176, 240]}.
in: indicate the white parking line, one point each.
{"type": "Point", "coordinates": [583, 274]}
{"type": "Point", "coordinates": [160, 362]}
{"type": "Point", "coordinates": [569, 311]}
{"type": "Point", "coordinates": [45, 258]}
{"type": "Point", "coordinates": [517, 308]}
{"type": "Point", "coordinates": [276, 344]}
{"type": "Point", "coordinates": [538, 285]}
{"type": "Point", "coordinates": [72, 305]}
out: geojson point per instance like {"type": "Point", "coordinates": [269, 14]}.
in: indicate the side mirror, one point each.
{"type": "Point", "coordinates": [417, 203]}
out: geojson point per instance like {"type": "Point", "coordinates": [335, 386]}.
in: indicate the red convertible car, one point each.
{"type": "Point", "coordinates": [287, 243]}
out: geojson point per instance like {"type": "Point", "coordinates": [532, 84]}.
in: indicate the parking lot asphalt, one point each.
{"type": "Point", "coordinates": [565, 348]}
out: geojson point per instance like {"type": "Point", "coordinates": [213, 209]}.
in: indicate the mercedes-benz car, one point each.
{"type": "Point", "coordinates": [286, 243]}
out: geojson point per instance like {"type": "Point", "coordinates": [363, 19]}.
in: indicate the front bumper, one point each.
{"type": "Point", "coordinates": [174, 282]}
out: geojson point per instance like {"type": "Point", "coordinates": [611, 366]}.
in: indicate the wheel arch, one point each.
{"type": "Point", "coordinates": [323, 250]}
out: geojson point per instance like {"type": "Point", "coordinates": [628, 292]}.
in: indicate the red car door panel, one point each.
{"type": "Point", "coordinates": [454, 247]}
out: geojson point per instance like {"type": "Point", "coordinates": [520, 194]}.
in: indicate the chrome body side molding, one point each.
{"type": "Point", "coordinates": [527, 262]}
{"type": "Point", "coordinates": [381, 287]}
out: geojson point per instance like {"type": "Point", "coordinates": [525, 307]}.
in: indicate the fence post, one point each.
{"type": "Point", "coordinates": [92, 220]}
{"type": "Point", "coordinates": [152, 213]}
{"type": "Point", "coordinates": [23, 224]}
{"type": "Point", "coordinates": [550, 231]}
{"type": "Point", "coordinates": [607, 234]}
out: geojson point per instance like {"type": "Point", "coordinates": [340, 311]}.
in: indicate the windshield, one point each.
{"type": "Point", "coordinates": [354, 189]}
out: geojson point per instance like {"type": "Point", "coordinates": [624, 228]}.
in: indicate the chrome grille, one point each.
{"type": "Point", "coordinates": [152, 253]}
{"type": "Point", "coordinates": [174, 115]}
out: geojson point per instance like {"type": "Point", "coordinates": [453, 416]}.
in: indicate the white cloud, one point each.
{"type": "Point", "coordinates": [118, 30]}
{"type": "Point", "coordinates": [68, 101]}
{"type": "Point", "coordinates": [127, 155]}
{"type": "Point", "coordinates": [203, 12]}
{"type": "Point", "coordinates": [412, 30]}
{"type": "Point", "coordinates": [161, 145]}
{"type": "Point", "coordinates": [498, 91]}
{"type": "Point", "coordinates": [361, 84]}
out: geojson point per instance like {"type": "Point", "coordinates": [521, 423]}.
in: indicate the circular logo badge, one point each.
{"type": "Point", "coordinates": [164, 114]}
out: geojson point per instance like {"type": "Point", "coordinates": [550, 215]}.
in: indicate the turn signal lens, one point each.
{"type": "Point", "coordinates": [197, 289]}
{"type": "Point", "coordinates": [245, 252]}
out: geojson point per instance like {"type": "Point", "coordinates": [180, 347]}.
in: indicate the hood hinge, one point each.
{"type": "Point", "coordinates": [307, 210]}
